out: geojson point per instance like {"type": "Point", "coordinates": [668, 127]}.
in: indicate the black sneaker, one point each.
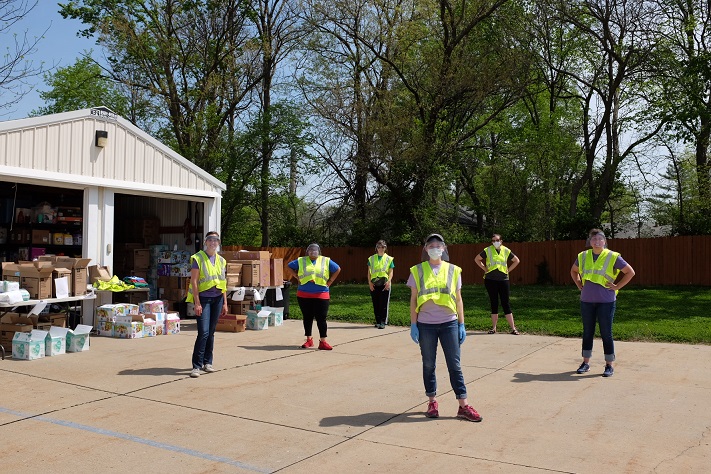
{"type": "Point", "coordinates": [584, 367]}
{"type": "Point", "coordinates": [608, 371]}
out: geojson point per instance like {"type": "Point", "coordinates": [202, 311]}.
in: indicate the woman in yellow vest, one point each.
{"type": "Point", "coordinates": [316, 274]}
{"type": "Point", "coordinates": [380, 275]}
{"type": "Point", "coordinates": [437, 315]}
{"type": "Point", "coordinates": [594, 273]}
{"type": "Point", "coordinates": [494, 260]}
{"type": "Point", "coordinates": [208, 286]}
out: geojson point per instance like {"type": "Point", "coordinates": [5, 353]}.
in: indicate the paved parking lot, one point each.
{"type": "Point", "coordinates": [273, 407]}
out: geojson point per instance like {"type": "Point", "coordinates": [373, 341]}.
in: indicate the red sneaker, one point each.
{"type": "Point", "coordinates": [468, 413]}
{"type": "Point", "coordinates": [309, 343]}
{"type": "Point", "coordinates": [324, 346]}
{"type": "Point", "coordinates": [432, 409]}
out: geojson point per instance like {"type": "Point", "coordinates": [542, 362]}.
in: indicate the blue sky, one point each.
{"type": "Point", "coordinates": [60, 46]}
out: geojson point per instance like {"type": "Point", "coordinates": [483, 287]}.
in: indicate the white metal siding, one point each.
{"type": "Point", "coordinates": [66, 146]}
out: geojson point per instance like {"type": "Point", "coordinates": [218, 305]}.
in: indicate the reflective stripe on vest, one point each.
{"type": "Point", "coordinates": [497, 260]}
{"type": "Point", "coordinates": [380, 271]}
{"type": "Point", "coordinates": [439, 288]}
{"type": "Point", "coordinates": [599, 271]}
{"type": "Point", "coordinates": [210, 275]}
{"type": "Point", "coordinates": [314, 271]}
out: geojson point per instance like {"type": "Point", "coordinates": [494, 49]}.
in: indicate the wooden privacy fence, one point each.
{"type": "Point", "coordinates": [659, 261]}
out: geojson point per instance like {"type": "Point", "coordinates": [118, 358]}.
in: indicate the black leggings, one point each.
{"type": "Point", "coordinates": [314, 308]}
{"type": "Point", "coordinates": [380, 297]}
{"type": "Point", "coordinates": [496, 289]}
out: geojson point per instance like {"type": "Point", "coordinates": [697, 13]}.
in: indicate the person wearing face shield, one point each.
{"type": "Point", "coordinates": [315, 274]}
{"type": "Point", "coordinates": [208, 287]}
{"type": "Point", "coordinates": [494, 260]}
{"type": "Point", "coordinates": [380, 275]}
{"type": "Point", "coordinates": [595, 273]}
{"type": "Point", "coordinates": [437, 316]}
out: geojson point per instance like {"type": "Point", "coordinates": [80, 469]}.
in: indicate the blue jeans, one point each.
{"type": "Point", "coordinates": [211, 309]}
{"type": "Point", "coordinates": [448, 335]}
{"type": "Point", "coordinates": [603, 314]}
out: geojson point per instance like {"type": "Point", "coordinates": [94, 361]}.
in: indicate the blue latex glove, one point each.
{"type": "Point", "coordinates": [415, 333]}
{"type": "Point", "coordinates": [462, 333]}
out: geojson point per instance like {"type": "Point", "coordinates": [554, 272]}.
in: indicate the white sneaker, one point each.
{"type": "Point", "coordinates": [208, 368]}
{"type": "Point", "coordinates": [195, 373]}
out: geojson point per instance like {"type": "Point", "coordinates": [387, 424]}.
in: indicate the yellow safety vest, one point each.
{"type": "Point", "coordinates": [382, 270]}
{"type": "Point", "coordinates": [497, 260]}
{"type": "Point", "coordinates": [210, 275]}
{"type": "Point", "coordinates": [314, 271]}
{"type": "Point", "coordinates": [440, 288]}
{"type": "Point", "coordinates": [599, 271]}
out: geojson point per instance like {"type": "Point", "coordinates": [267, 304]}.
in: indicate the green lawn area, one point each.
{"type": "Point", "coordinates": [662, 314]}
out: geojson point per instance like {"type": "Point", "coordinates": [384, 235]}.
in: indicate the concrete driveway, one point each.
{"type": "Point", "coordinates": [130, 405]}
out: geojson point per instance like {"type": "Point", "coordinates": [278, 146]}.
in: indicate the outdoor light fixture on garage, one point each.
{"type": "Point", "coordinates": [102, 138]}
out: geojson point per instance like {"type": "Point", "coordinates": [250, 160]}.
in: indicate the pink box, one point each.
{"type": "Point", "coordinates": [153, 306]}
{"type": "Point", "coordinates": [172, 323]}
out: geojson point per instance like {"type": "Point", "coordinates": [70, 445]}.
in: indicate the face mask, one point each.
{"type": "Point", "coordinates": [435, 253]}
{"type": "Point", "coordinates": [497, 244]}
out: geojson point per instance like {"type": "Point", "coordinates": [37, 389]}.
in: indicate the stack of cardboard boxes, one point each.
{"type": "Point", "coordinates": [128, 321]}
{"type": "Point", "coordinates": [38, 277]}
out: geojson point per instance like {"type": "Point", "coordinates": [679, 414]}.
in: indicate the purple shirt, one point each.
{"type": "Point", "coordinates": [430, 312]}
{"type": "Point", "coordinates": [595, 293]}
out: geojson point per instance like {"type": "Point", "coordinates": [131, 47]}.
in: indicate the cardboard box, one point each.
{"type": "Point", "coordinates": [105, 327]}
{"type": "Point", "coordinates": [41, 237]}
{"type": "Point", "coordinates": [78, 339]}
{"type": "Point", "coordinates": [80, 272]}
{"type": "Point", "coordinates": [10, 271]}
{"type": "Point", "coordinates": [172, 323]}
{"type": "Point", "coordinates": [10, 323]}
{"type": "Point", "coordinates": [250, 274]}
{"type": "Point", "coordinates": [29, 345]}
{"type": "Point", "coordinates": [149, 327]}
{"type": "Point", "coordinates": [233, 267]}
{"type": "Point", "coordinates": [257, 320]}
{"type": "Point", "coordinates": [233, 279]}
{"type": "Point", "coordinates": [247, 255]}
{"type": "Point", "coordinates": [239, 307]}
{"type": "Point", "coordinates": [139, 259]}
{"type": "Point", "coordinates": [128, 329]}
{"type": "Point", "coordinates": [151, 307]}
{"type": "Point", "coordinates": [55, 343]}
{"type": "Point", "coordinates": [276, 272]}
{"type": "Point", "coordinates": [99, 273]}
{"type": "Point", "coordinates": [37, 281]}
{"type": "Point", "coordinates": [276, 315]}
{"type": "Point", "coordinates": [109, 312]}
{"type": "Point", "coordinates": [232, 323]}
{"type": "Point", "coordinates": [62, 273]}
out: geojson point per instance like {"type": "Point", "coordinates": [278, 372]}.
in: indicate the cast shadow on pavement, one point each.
{"type": "Point", "coordinates": [157, 371]}
{"type": "Point", "coordinates": [373, 419]}
{"type": "Point", "coordinates": [294, 347]}
{"type": "Point", "coordinates": [559, 377]}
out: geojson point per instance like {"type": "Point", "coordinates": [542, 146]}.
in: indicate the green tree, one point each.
{"type": "Point", "coordinates": [81, 86]}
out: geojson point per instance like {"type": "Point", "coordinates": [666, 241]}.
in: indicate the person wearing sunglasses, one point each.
{"type": "Point", "coordinates": [595, 273]}
{"type": "Point", "coordinates": [437, 317]}
{"type": "Point", "coordinates": [380, 275]}
{"type": "Point", "coordinates": [208, 287]}
{"type": "Point", "coordinates": [498, 261]}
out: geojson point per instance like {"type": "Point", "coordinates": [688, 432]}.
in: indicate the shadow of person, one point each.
{"type": "Point", "coordinates": [273, 348]}
{"type": "Point", "coordinates": [157, 371]}
{"type": "Point", "coordinates": [559, 377]}
{"type": "Point", "coordinates": [373, 419]}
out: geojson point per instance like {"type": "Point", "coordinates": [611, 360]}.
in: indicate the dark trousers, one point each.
{"type": "Point", "coordinates": [314, 308]}
{"type": "Point", "coordinates": [498, 289]}
{"type": "Point", "coordinates": [380, 297]}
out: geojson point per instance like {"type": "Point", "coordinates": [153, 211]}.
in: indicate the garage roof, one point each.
{"type": "Point", "coordinates": [61, 148]}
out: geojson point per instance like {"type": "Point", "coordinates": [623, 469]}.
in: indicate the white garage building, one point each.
{"type": "Point", "coordinates": [115, 186]}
